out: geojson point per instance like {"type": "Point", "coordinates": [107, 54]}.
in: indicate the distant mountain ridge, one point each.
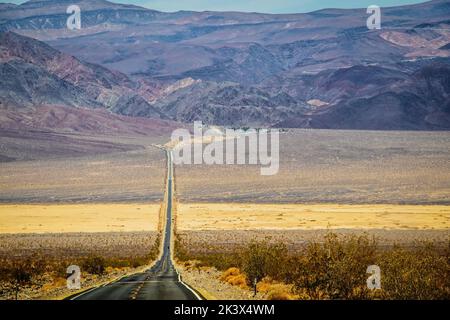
{"type": "Point", "coordinates": [322, 69]}
{"type": "Point", "coordinates": [418, 101]}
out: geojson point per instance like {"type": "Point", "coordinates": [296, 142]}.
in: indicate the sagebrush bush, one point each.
{"type": "Point", "coordinates": [94, 265]}
{"type": "Point", "coordinates": [335, 268]}
{"type": "Point", "coordinates": [20, 274]}
{"type": "Point", "coordinates": [234, 277]}
{"type": "Point", "coordinates": [419, 273]}
{"type": "Point", "coordinates": [262, 258]}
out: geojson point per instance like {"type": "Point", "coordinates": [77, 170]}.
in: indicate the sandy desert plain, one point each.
{"type": "Point", "coordinates": [391, 183]}
{"type": "Point", "coordinates": [106, 192]}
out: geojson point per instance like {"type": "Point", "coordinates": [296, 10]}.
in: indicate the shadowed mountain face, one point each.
{"type": "Point", "coordinates": [322, 69]}
{"type": "Point", "coordinates": [416, 102]}
{"type": "Point", "coordinates": [33, 73]}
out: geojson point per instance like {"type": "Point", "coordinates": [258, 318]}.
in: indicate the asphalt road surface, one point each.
{"type": "Point", "coordinates": [161, 282]}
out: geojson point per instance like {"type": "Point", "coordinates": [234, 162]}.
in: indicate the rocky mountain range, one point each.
{"type": "Point", "coordinates": [323, 69]}
{"type": "Point", "coordinates": [34, 73]}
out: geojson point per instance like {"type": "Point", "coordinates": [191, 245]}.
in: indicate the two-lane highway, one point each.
{"type": "Point", "coordinates": [162, 281]}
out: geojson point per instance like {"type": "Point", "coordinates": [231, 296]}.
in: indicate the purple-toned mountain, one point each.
{"type": "Point", "coordinates": [370, 99]}
{"type": "Point", "coordinates": [322, 69]}
{"type": "Point", "coordinates": [33, 73]}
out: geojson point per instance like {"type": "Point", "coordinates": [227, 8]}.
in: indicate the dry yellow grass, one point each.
{"type": "Point", "coordinates": [53, 218]}
{"type": "Point", "coordinates": [275, 290]}
{"type": "Point", "coordinates": [234, 277]}
{"type": "Point", "coordinates": [235, 216]}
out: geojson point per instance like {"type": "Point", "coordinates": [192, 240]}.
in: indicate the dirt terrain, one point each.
{"type": "Point", "coordinates": [61, 167]}
{"type": "Point", "coordinates": [74, 245]}
{"type": "Point", "coordinates": [223, 240]}
{"type": "Point", "coordinates": [333, 166]}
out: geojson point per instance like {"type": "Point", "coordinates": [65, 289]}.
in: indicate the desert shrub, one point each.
{"type": "Point", "coordinates": [213, 258]}
{"type": "Point", "coordinates": [280, 293]}
{"type": "Point", "coordinates": [419, 273]}
{"type": "Point", "coordinates": [129, 262]}
{"type": "Point", "coordinates": [231, 272]}
{"type": "Point", "coordinates": [59, 269]}
{"type": "Point", "coordinates": [20, 274]}
{"type": "Point", "coordinates": [220, 261]}
{"type": "Point", "coordinates": [200, 265]}
{"type": "Point", "coordinates": [234, 277]}
{"type": "Point", "coordinates": [94, 265]}
{"type": "Point", "coordinates": [261, 259]}
{"type": "Point", "coordinates": [181, 251]}
{"type": "Point", "coordinates": [336, 268]}
{"type": "Point", "coordinates": [275, 291]}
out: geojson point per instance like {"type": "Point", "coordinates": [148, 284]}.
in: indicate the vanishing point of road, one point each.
{"type": "Point", "coordinates": [160, 282]}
